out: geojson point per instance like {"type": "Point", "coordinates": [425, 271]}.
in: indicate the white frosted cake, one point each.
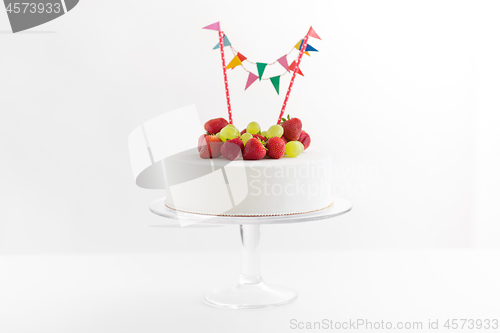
{"type": "Point", "coordinates": [265, 187]}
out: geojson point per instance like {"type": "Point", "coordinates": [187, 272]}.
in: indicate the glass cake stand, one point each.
{"type": "Point", "coordinates": [250, 292]}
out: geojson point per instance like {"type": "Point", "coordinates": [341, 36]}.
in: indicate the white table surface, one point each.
{"type": "Point", "coordinates": [163, 292]}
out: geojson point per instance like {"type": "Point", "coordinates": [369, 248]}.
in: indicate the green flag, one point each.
{"type": "Point", "coordinates": [260, 68]}
{"type": "Point", "coordinates": [275, 80]}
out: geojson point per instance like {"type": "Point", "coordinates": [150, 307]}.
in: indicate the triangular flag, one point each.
{"type": "Point", "coordinates": [226, 43]}
{"type": "Point", "coordinates": [310, 48]}
{"type": "Point", "coordinates": [299, 45]}
{"type": "Point", "coordinates": [260, 68]}
{"type": "Point", "coordinates": [235, 62]}
{"type": "Point", "coordinates": [241, 56]}
{"type": "Point", "coordinates": [213, 26]}
{"type": "Point", "coordinates": [292, 68]}
{"type": "Point", "coordinates": [275, 80]}
{"type": "Point", "coordinates": [251, 79]}
{"type": "Point", "coordinates": [283, 62]}
{"type": "Point", "coordinates": [312, 33]}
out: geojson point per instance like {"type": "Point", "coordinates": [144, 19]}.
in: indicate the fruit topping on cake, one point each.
{"type": "Point", "coordinates": [210, 147]}
{"type": "Point", "coordinates": [294, 148]}
{"type": "Point", "coordinates": [254, 150]}
{"type": "Point", "coordinates": [232, 149]}
{"type": "Point", "coordinates": [305, 139]}
{"type": "Point", "coordinates": [224, 139]}
{"type": "Point", "coordinates": [275, 148]}
{"type": "Point", "coordinates": [292, 128]}
{"type": "Point", "coordinates": [214, 126]}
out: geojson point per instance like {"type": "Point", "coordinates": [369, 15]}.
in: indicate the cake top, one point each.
{"type": "Point", "coordinates": [222, 138]}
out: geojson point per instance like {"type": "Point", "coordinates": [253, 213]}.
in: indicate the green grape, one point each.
{"type": "Point", "coordinates": [245, 137]}
{"type": "Point", "coordinates": [264, 133]}
{"type": "Point", "coordinates": [275, 131]}
{"type": "Point", "coordinates": [228, 133]}
{"type": "Point", "coordinates": [294, 148]}
{"type": "Point", "coordinates": [218, 135]}
{"type": "Point", "coordinates": [253, 128]}
{"type": "Point", "coordinates": [231, 125]}
{"type": "Point", "coordinates": [301, 147]}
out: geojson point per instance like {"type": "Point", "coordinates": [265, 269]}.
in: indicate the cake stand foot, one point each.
{"type": "Point", "coordinates": [254, 296]}
{"type": "Point", "coordinates": [250, 292]}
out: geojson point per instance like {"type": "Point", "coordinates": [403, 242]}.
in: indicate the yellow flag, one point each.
{"type": "Point", "coordinates": [235, 62]}
{"type": "Point", "coordinates": [297, 46]}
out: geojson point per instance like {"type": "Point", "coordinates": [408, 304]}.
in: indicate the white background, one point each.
{"type": "Point", "coordinates": [403, 95]}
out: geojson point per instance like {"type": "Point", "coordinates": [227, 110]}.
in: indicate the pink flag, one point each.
{"type": "Point", "coordinates": [283, 62]}
{"type": "Point", "coordinates": [251, 79]}
{"type": "Point", "coordinates": [312, 33]}
{"type": "Point", "coordinates": [214, 26]}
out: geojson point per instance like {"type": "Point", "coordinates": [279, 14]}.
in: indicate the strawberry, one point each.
{"type": "Point", "coordinates": [210, 147]}
{"type": "Point", "coordinates": [292, 128]}
{"type": "Point", "coordinates": [275, 147]}
{"type": "Point", "coordinates": [305, 139]}
{"type": "Point", "coordinates": [243, 132]}
{"type": "Point", "coordinates": [204, 152]}
{"type": "Point", "coordinates": [254, 150]}
{"type": "Point", "coordinates": [260, 137]}
{"type": "Point", "coordinates": [213, 126]}
{"type": "Point", "coordinates": [232, 149]}
{"type": "Point", "coordinates": [284, 140]}
{"type": "Point", "coordinates": [201, 141]}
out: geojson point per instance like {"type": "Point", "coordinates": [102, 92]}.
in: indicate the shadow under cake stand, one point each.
{"type": "Point", "coordinates": [250, 291]}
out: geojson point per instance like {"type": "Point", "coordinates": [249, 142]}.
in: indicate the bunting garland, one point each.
{"type": "Point", "coordinates": [283, 62]}
{"type": "Point", "coordinates": [240, 60]}
{"type": "Point", "coordinates": [260, 68]}
{"type": "Point", "coordinates": [251, 79]}
{"type": "Point", "coordinates": [275, 80]}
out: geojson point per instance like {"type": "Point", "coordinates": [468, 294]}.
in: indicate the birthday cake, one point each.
{"type": "Point", "coordinates": [254, 172]}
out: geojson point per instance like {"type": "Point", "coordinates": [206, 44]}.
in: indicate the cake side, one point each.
{"type": "Point", "coordinates": [248, 188]}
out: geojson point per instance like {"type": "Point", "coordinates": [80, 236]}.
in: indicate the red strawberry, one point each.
{"type": "Point", "coordinates": [275, 147]}
{"type": "Point", "coordinates": [254, 150]}
{"type": "Point", "coordinates": [214, 143]}
{"type": "Point", "coordinates": [210, 147]}
{"type": "Point", "coordinates": [204, 152]}
{"type": "Point", "coordinates": [284, 140]}
{"type": "Point", "coordinates": [292, 128]}
{"type": "Point", "coordinates": [232, 149]}
{"type": "Point", "coordinates": [305, 139]}
{"type": "Point", "coordinates": [201, 141]}
{"type": "Point", "coordinates": [213, 126]}
{"type": "Point", "coordinates": [243, 132]}
{"type": "Point", "coordinates": [260, 137]}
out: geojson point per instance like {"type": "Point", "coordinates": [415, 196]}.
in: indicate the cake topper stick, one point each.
{"type": "Point", "coordinates": [302, 49]}
{"type": "Point", "coordinates": [221, 46]}
{"type": "Point", "coordinates": [223, 41]}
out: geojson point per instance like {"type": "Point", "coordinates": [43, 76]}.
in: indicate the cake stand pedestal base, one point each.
{"type": "Point", "coordinates": [250, 292]}
{"type": "Point", "coordinates": [250, 296]}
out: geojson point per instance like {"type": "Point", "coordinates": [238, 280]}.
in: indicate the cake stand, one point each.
{"type": "Point", "coordinates": [251, 292]}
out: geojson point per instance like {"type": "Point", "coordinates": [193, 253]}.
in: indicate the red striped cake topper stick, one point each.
{"type": "Point", "coordinates": [228, 99]}
{"type": "Point", "coordinates": [216, 26]}
{"type": "Point", "coordinates": [301, 53]}
{"type": "Point", "coordinates": [311, 33]}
